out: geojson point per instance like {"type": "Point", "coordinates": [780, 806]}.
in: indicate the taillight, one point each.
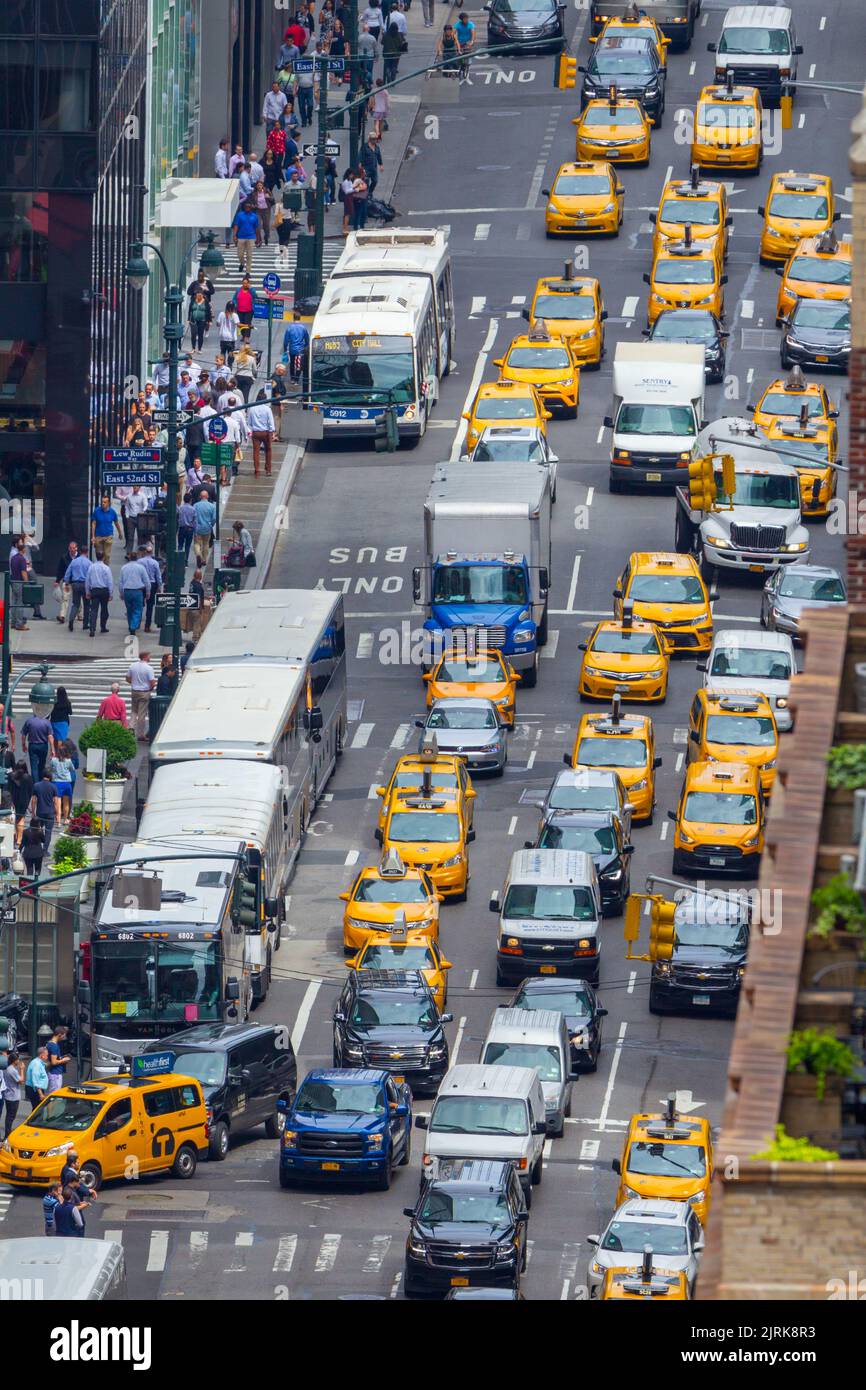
{"type": "Point", "coordinates": [85, 961]}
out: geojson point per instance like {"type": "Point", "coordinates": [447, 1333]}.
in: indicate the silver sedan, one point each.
{"type": "Point", "coordinates": [790, 591]}
{"type": "Point", "coordinates": [469, 727]}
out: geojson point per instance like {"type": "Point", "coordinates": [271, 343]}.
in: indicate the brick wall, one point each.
{"type": "Point", "coordinates": [856, 453]}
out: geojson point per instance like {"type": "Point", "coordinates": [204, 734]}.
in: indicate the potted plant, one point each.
{"type": "Point", "coordinates": [837, 929]}
{"type": "Point", "coordinates": [120, 746]}
{"type": "Point", "coordinates": [846, 772]}
{"type": "Point", "coordinates": [818, 1064]}
{"type": "Point", "coordinates": [69, 854]}
{"type": "Point", "coordinates": [86, 825]}
{"type": "Point", "coordinates": [786, 1148]}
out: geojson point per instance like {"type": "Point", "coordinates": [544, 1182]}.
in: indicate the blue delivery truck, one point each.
{"type": "Point", "coordinates": [486, 574]}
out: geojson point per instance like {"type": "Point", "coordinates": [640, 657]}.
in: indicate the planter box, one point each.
{"type": "Point", "coordinates": [114, 794]}
{"type": "Point", "coordinates": [91, 847]}
{"type": "Point", "coordinates": [840, 949]}
{"type": "Point", "coordinates": [804, 1115]}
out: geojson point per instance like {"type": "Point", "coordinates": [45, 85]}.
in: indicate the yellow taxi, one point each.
{"type": "Point", "coordinates": [151, 1121]}
{"type": "Point", "coordinates": [427, 771]}
{"type": "Point", "coordinates": [797, 206]}
{"type": "Point", "coordinates": [820, 268]}
{"type": "Point", "coordinates": [549, 364]}
{"type": "Point", "coordinates": [811, 448]}
{"type": "Point", "coordinates": [380, 894]}
{"type": "Point", "coordinates": [407, 949]}
{"type": "Point", "coordinates": [504, 403]}
{"type": "Point", "coordinates": [625, 658]}
{"type": "Point", "coordinates": [639, 23]}
{"type": "Point", "coordinates": [719, 822]}
{"type": "Point", "coordinates": [624, 743]}
{"type": "Point", "coordinates": [667, 589]}
{"type": "Point", "coordinates": [486, 674]}
{"type": "Point", "coordinates": [686, 274]}
{"type": "Point", "coordinates": [670, 1156]}
{"type": "Point", "coordinates": [734, 728]}
{"type": "Point", "coordinates": [432, 832]}
{"type": "Point", "coordinates": [699, 205]}
{"type": "Point", "coordinates": [613, 128]}
{"type": "Point", "coordinates": [727, 129]}
{"type": "Point", "coordinates": [572, 308]}
{"type": "Point", "coordinates": [791, 396]}
{"type": "Point", "coordinates": [585, 197]}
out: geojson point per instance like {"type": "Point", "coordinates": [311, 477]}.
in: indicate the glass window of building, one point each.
{"type": "Point", "coordinates": [17, 87]}
{"type": "Point", "coordinates": [66, 86]}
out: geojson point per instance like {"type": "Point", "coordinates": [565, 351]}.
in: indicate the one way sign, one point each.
{"type": "Point", "coordinates": [332, 149]}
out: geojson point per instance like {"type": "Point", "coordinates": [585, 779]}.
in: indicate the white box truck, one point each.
{"type": "Point", "coordinates": [658, 409]}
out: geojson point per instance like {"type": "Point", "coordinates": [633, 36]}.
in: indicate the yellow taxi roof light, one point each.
{"type": "Point", "coordinates": [795, 380]}
{"type": "Point", "coordinates": [430, 746]}
{"type": "Point", "coordinates": [392, 865]}
{"type": "Point", "coordinates": [827, 243]}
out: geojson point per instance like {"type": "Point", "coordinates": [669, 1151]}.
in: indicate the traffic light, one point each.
{"type": "Point", "coordinates": [702, 484]}
{"type": "Point", "coordinates": [387, 436]}
{"type": "Point", "coordinates": [729, 476]}
{"type": "Point", "coordinates": [565, 73]}
{"type": "Point", "coordinates": [662, 929]}
{"type": "Point", "coordinates": [631, 927]}
{"type": "Point", "coordinates": [248, 900]}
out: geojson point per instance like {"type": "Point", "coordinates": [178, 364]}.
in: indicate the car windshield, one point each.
{"type": "Point", "coordinates": [479, 584]}
{"type": "Point", "coordinates": [780, 490]}
{"type": "Point", "coordinates": [478, 1115]}
{"type": "Point", "coordinates": [424, 827]}
{"type": "Point", "coordinates": [443, 1207]}
{"type": "Point", "coordinates": [65, 1112]}
{"type": "Point", "coordinates": [681, 210]}
{"type": "Point", "coordinates": [722, 808]}
{"type": "Point", "coordinates": [666, 588]}
{"type": "Point", "coordinates": [506, 408]}
{"type": "Point", "coordinates": [791, 403]}
{"type": "Point", "coordinates": [332, 1098]}
{"type": "Point", "coordinates": [822, 588]}
{"type": "Point", "coordinates": [394, 956]}
{"type": "Point", "coordinates": [634, 1236]}
{"type": "Point", "coordinates": [622, 62]}
{"type": "Point", "coordinates": [207, 1067]}
{"type": "Point", "coordinates": [637, 643]}
{"type": "Point", "coordinates": [652, 1158]}
{"type": "Point", "coordinates": [544, 359]}
{"type": "Point", "coordinates": [656, 419]}
{"type": "Point", "coordinates": [462, 717]}
{"type": "Point", "coordinates": [612, 752]}
{"type": "Point", "coordinates": [545, 1060]}
{"type": "Point", "coordinates": [615, 116]}
{"type": "Point", "coordinates": [394, 890]}
{"type": "Point", "coordinates": [685, 270]}
{"type": "Point", "coordinates": [750, 730]}
{"type": "Point", "coordinates": [751, 661]}
{"type": "Point", "coordinates": [598, 839]}
{"type": "Point", "coordinates": [720, 116]}
{"type": "Point", "coordinates": [830, 314]}
{"type": "Point", "coordinates": [822, 269]}
{"type": "Point", "coordinates": [549, 902]}
{"type": "Point", "coordinates": [394, 1011]}
{"type": "Point", "coordinates": [485, 669]}
{"type": "Point", "coordinates": [721, 936]}
{"type": "Point", "coordinates": [697, 327]}
{"type": "Point", "coordinates": [576, 307]}
{"type": "Point", "coordinates": [513, 8]}
{"type": "Point", "coordinates": [509, 451]}
{"type": "Point", "coordinates": [572, 1000]}
{"type": "Point", "coordinates": [582, 186]}
{"type": "Point", "coordinates": [809, 206]}
{"type": "Point", "coordinates": [752, 40]}
{"type": "Point", "coordinates": [579, 796]}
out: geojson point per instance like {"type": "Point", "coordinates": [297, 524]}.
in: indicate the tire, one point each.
{"type": "Point", "coordinates": [407, 1152]}
{"type": "Point", "coordinates": [90, 1174]}
{"type": "Point", "coordinates": [383, 1179]}
{"type": "Point", "coordinates": [558, 1133]}
{"type": "Point", "coordinates": [543, 626]}
{"type": "Point", "coordinates": [708, 570]}
{"type": "Point", "coordinates": [527, 1195]}
{"type": "Point", "coordinates": [660, 118]}
{"type": "Point", "coordinates": [536, 1174]}
{"type": "Point", "coordinates": [523, 1259]}
{"type": "Point", "coordinates": [785, 360]}
{"type": "Point", "coordinates": [615, 486]}
{"type": "Point", "coordinates": [567, 1111]}
{"type": "Point", "coordinates": [501, 981]}
{"type": "Point", "coordinates": [185, 1162]}
{"type": "Point", "coordinates": [218, 1143]}
{"type": "Point", "coordinates": [285, 1180]}
{"type": "Point", "coordinates": [653, 1002]}
{"type": "Point", "coordinates": [275, 1124]}
{"type": "Point", "coordinates": [684, 533]}
{"type": "Point", "coordinates": [530, 677]}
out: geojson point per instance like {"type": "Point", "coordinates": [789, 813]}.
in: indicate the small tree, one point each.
{"type": "Point", "coordinates": [119, 743]}
{"type": "Point", "coordinates": [69, 854]}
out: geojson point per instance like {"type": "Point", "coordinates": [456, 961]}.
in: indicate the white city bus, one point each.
{"type": "Point", "coordinates": [374, 343]}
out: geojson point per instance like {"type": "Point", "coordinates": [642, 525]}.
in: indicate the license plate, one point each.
{"type": "Point", "coordinates": [717, 863]}
{"type": "Point", "coordinates": [758, 568]}
{"type": "Point", "coordinates": [458, 1282]}
{"type": "Point", "coordinates": [821, 357]}
{"type": "Point", "coordinates": [20, 1172]}
{"type": "Point", "coordinates": [622, 689]}
{"type": "Point", "coordinates": [700, 999]}
{"type": "Point", "coordinates": [653, 477]}
{"type": "Point", "coordinates": [547, 970]}
{"type": "Point", "coordinates": [331, 1167]}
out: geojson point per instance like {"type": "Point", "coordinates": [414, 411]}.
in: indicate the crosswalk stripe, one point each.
{"type": "Point", "coordinates": [197, 1247]}
{"type": "Point", "coordinates": [400, 736]}
{"type": "Point", "coordinates": [365, 645]}
{"type": "Point", "coordinates": [116, 1236]}
{"type": "Point", "coordinates": [362, 735]}
{"type": "Point", "coordinates": [328, 1253]}
{"type": "Point", "coordinates": [379, 1247]}
{"type": "Point", "coordinates": [552, 643]}
{"type": "Point", "coordinates": [157, 1252]}
{"type": "Point", "coordinates": [285, 1254]}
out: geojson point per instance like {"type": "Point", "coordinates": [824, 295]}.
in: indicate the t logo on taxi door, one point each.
{"type": "Point", "coordinates": [162, 1143]}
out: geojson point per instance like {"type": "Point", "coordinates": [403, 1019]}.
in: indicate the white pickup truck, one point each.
{"type": "Point", "coordinates": [763, 528]}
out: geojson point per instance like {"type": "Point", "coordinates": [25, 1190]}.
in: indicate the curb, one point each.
{"type": "Point", "coordinates": [285, 482]}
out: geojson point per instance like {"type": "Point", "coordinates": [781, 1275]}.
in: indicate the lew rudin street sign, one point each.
{"type": "Point", "coordinates": [131, 468]}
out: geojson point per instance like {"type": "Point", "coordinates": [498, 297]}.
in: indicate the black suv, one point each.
{"type": "Point", "coordinates": [579, 1005]}
{"type": "Point", "coordinates": [468, 1227]}
{"type": "Point", "coordinates": [693, 326]}
{"type": "Point", "coordinates": [389, 1019]}
{"type": "Point", "coordinates": [244, 1069]}
{"type": "Point", "coordinates": [600, 834]}
{"type": "Point", "coordinates": [526, 26]}
{"type": "Point", "coordinates": [632, 65]}
{"type": "Point", "coordinates": [710, 947]}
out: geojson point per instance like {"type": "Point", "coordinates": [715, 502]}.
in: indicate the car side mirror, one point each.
{"type": "Point", "coordinates": [762, 211]}
{"type": "Point", "coordinates": [410, 1211]}
{"type": "Point", "coordinates": [524, 313]}
{"type": "Point", "coordinates": [657, 762]}
{"type": "Point", "coordinates": [522, 1217]}
{"type": "Point", "coordinates": [701, 665]}
{"type": "Point", "coordinates": [608, 422]}
{"type": "Point", "coordinates": [582, 647]}
{"type": "Point", "coordinates": [351, 962]}
{"type": "Point", "coordinates": [344, 897]}
{"type": "Point", "coordinates": [470, 836]}
{"type": "Point", "coordinates": [617, 592]}
{"type": "Point", "coordinates": [527, 844]}
{"type": "Point", "coordinates": [603, 1013]}
{"type": "Point", "coordinates": [646, 332]}
{"type": "Point", "coordinates": [339, 1016]}
{"type": "Point", "coordinates": [798, 49]}
{"type": "Point", "coordinates": [628, 849]}
{"type": "Point", "coordinates": [419, 723]}
{"type": "Point", "coordinates": [711, 48]}
{"type": "Point", "coordinates": [464, 415]}
{"type": "Point", "coordinates": [833, 414]}
{"type": "Point", "coordinates": [566, 758]}
{"type": "Point", "coordinates": [615, 1165]}
{"type": "Point", "coordinates": [545, 193]}
{"type": "Point", "coordinates": [592, 1240]}
{"type": "Point", "coordinates": [232, 990]}
{"type": "Point", "coordinates": [693, 736]}
{"type": "Point", "coordinates": [581, 68]}
{"type": "Point", "coordinates": [729, 221]}
{"type": "Point", "coordinates": [400, 1110]}
{"type": "Point", "coordinates": [446, 1018]}
{"type": "Point", "coordinates": [499, 361]}
{"type": "Point", "coordinates": [646, 279]}
{"type": "Point", "coordinates": [282, 1106]}
{"type": "Point", "coordinates": [672, 815]}
{"type": "Point", "coordinates": [603, 315]}
{"type": "Point", "coordinates": [723, 279]}
{"type": "Point", "coordinates": [421, 1121]}
{"type": "Point", "coordinates": [699, 1243]}
{"type": "Point", "coordinates": [540, 1127]}
{"type": "Point", "coordinates": [653, 217]}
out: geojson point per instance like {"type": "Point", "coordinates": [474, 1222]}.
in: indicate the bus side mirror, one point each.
{"type": "Point", "coordinates": [313, 722]}
{"type": "Point", "coordinates": [416, 583]}
{"type": "Point", "coordinates": [233, 990]}
{"type": "Point", "coordinates": [84, 994]}
{"type": "Point", "coordinates": [272, 911]}
{"type": "Point", "coordinates": [543, 580]}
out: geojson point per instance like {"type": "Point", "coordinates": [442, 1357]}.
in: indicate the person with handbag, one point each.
{"type": "Point", "coordinates": [237, 435]}
{"type": "Point", "coordinates": [243, 541]}
{"type": "Point", "coordinates": [229, 327]}
{"type": "Point", "coordinates": [371, 161]}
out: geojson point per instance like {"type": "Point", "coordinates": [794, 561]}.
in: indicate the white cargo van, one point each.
{"type": "Point", "coordinates": [549, 916]}
{"type": "Point", "coordinates": [758, 45]}
{"type": "Point", "coordinates": [658, 409]}
{"type": "Point", "coordinates": [537, 1039]}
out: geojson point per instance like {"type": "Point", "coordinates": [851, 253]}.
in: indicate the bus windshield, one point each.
{"type": "Point", "coordinates": [355, 370]}
{"type": "Point", "coordinates": [144, 981]}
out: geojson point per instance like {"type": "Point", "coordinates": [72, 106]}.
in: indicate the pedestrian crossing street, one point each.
{"type": "Point", "coordinates": [86, 683]}
{"type": "Point", "coordinates": [266, 259]}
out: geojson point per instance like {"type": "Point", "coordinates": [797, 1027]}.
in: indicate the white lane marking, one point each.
{"type": "Point", "coordinates": [704, 18]}
{"type": "Point", "coordinates": [512, 825]}
{"type": "Point", "coordinates": [285, 1254]}
{"type": "Point", "coordinates": [457, 1041]}
{"type": "Point", "coordinates": [530, 760]}
{"type": "Point", "coordinates": [629, 306]}
{"type": "Point", "coordinates": [372, 794]}
{"type": "Point", "coordinates": [747, 309]}
{"type": "Point", "coordinates": [600, 436]}
{"type": "Point", "coordinates": [632, 976]}
{"type": "Point", "coordinates": [823, 21]}
{"type": "Point", "coordinates": [692, 66]}
{"type": "Point", "coordinates": [681, 734]}
{"type": "Point", "coordinates": [535, 186]}
{"type": "Point", "coordinates": [400, 736]}
{"type": "Point", "coordinates": [480, 364]}
{"type": "Point", "coordinates": [566, 1285]}
{"type": "Point", "coordinates": [352, 857]}
{"type": "Point", "coordinates": [365, 645]}
{"type": "Point", "coordinates": [482, 231]}
{"type": "Point", "coordinates": [812, 70]}
{"type": "Point", "coordinates": [117, 1236]}
{"type": "Point", "coordinates": [801, 120]}
{"type": "Point", "coordinates": [473, 979]}
{"type": "Point", "coordinates": [679, 762]}
{"type": "Point", "coordinates": [663, 833]}
{"type": "Point", "coordinates": [733, 618]}
{"type": "Point", "coordinates": [590, 493]}
{"type": "Point", "coordinates": [668, 172]}
{"type": "Point", "coordinates": [614, 1068]}
{"type": "Point", "coordinates": [328, 1253]}
{"type": "Point", "coordinates": [750, 376]}
{"type": "Point", "coordinates": [362, 735]}
{"type": "Point", "coordinates": [548, 1145]}
{"type": "Point", "coordinates": [572, 588]}
{"type": "Point", "coordinates": [379, 1247]}
{"type": "Point", "coordinates": [589, 1148]}
{"type": "Point", "coordinates": [157, 1252]}
{"type": "Point", "coordinates": [478, 302]}
{"type": "Point", "coordinates": [518, 299]}
{"type": "Point", "coordinates": [396, 1285]}
{"type": "Point", "coordinates": [552, 644]}
{"type": "Point", "coordinates": [304, 1012]}
{"type": "Point", "coordinates": [530, 1246]}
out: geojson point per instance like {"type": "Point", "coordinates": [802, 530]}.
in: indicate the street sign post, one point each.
{"type": "Point", "coordinates": [271, 282]}
{"type": "Point", "coordinates": [270, 308]}
{"type": "Point", "coordinates": [162, 417]}
{"type": "Point", "coordinates": [332, 149]}
{"type": "Point", "coordinates": [130, 477]}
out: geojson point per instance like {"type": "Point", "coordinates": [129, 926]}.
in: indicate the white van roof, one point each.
{"type": "Point", "coordinates": [757, 17]}
{"type": "Point", "coordinates": [232, 798]}
{"type": "Point", "coordinates": [551, 866]}
{"type": "Point", "coordinates": [471, 1078]}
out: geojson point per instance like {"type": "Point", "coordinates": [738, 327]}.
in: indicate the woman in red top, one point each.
{"type": "Point", "coordinates": [244, 303]}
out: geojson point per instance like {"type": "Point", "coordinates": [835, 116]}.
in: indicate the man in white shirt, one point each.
{"type": "Point", "coordinates": [136, 503]}
{"type": "Point", "coordinates": [142, 680]}
{"type": "Point", "coordinates": [273, 107]}
{"type": "Point", "coordinates": [221, 160]}
{"type": "Point", "coordinates": [396, 16]}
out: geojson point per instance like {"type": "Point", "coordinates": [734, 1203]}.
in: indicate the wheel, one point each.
{"type": "Point", "coordinates": [500, 978]}
{"type": "Point", "coordinates": [683, 533]}
{"type": "Point", "coordinates": [536, 1174]}
{"type": "Point", "coordinates": [567, 1111]}
{"type": "Point", "coordinates": [383, 1179]}
{"type": "Point", "coordinates": [275, 1124]}
{"type": "Point", "coordinates": [708, 570]}
{"type": "Point", "coordinates": [527, 1196]}
{"type": "Point", "coordinates": [337, 1061]}
{"type": "Point", "coordinates": [648, 820]}
{"type": "Point", "coordinates": [523, 1260]}
{"type": "Point", "coordinates": [185, 1163]}
{"type": "Point", "coordinates": [785, 359]}
{"type": "Point", "coordinates": [218, 1143]}
{"type": "Point", "coordinates": [542, 627]}
{"type": "Point", "coordinates": [615, 486]}
{"type": "Point", "coordinates": [558, 1133]}
{"type": "Point", "coordinates": [407, 1152]}
{"type": "Point", "coordinates": [654, 1002]}
{"type": "Point", "coordinates": [285, 1180]}
{"type": "Point", "coordinates": [90, 1174]}
{"type": "Point", "coordinates": [659, 118]}
{"type": "Point", "coordinates": [530, 677]}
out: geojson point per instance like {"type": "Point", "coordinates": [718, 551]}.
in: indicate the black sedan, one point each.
{"type": "Point", "coordinates": [526, 26]}
{"type": "Point", "coordinates": [632, 65]}
{"type": "Point", "coordinates": [817, 333]}
{"type": "Point", "coordinates": [599, 834]}
{"type": "Point", "coordinates": [578, 1002]}
{"type": "Point", "coordinates": [693, 326]}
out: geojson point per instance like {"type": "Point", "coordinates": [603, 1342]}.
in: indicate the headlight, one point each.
{"type": "Point", "coordinates": [506, 700]}
{"type": "Point", "coordinates": [638, 786]}
{"type": "Point", "coordinates": [663, 969]}
{"type": "Point", "coordinates": [632, 1193]}
{"type": "Point", "coordinates": [608, 207]}
{"type": "Point", "coordinates": [596, 1268]}
{"type": "Point", "coordinates": [720, 542]}
{"type": "Point", "coordinates": [505, 1251]}
{"type": "Point", "coordinates": [60, 1149]}
{"type": "Point", "coordinates": [771, 763]}
{"type": "Point", "coordinates": [416, 1247]}
{"type": "Point", "coordinates": [563, 381]}
{"type": "Point", "coordinates": [524, 634]}
{"type": "Point", "coordinates": [359, 922]}
{"type": "Point", "coordinates": [696, 1199]}
{"type": "Point", "coordinates": [436, 1051]}
{"type": "Point", "coordinates": [587, 333]}
{"type": "Point", "coordinates": [586, 943]}
{"type": "Point", "coordinates": [353, 1049]}
{"type": "Point", "coordinates": [750, 843]}
{"type": "Point", "coordinates": [612, 874]}
{"type": "Point", "coordinates": [687, 839]}
{"type": "Point", "coordinates": [795, 549]}
{"type": "Point", "coordinates": [449, 863]}
{"type": "Point", "coordinates": [782, 702]}
{"type": "Point", "coordinates": [375, 1140]}
{"type": "Point", "coordinates": [771, 231]}
{"type": "Point", "coordinates": [741, 970]}
{"type": "Point", "coordinates": [289, 1138]}
{"type": "Point", "coordinates": [7, 1147]}
{"type": "Point", "coordinates": [659, 298]}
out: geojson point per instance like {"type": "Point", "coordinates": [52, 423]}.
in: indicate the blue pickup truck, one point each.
{"type": "Point", "coordinates": [347, 1125]}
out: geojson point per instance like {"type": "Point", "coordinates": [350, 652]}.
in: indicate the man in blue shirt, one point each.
{"type": "Point", "coordinates": [99, 587]}
{"type": "Point", "coordinates": [76, 576]}
{"type": "Point", "coordinates": [134, 589]}
{"type": "Point", "coordinates": [464, 32]}
{"type": "Point", "coordinates": [104, 521]}
{"type": "Point", "coordinates": [248, 233]}
{"type": "Point", "coordinates": [296, 343]}
{"type": "Point", "coordinates": [185, 529]}
{"type": "Point", "coordinates": [151, 566]}
{"type": "Point", "coordinates": [205, 519]}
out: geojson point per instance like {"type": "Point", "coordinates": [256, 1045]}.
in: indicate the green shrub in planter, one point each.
{"type": "Point", "coordinates": [839, 907]}
{"type": "Point", "coordinates": [119, 743]}
{"type": "Point", "coordinates": [819, 1054]}
{"type": "Point", "coordinates": [70, 852]}
{"type": "Point", "coordinates": [846, 766]}
{"type": "Point", "coordinates": [786, 1148]}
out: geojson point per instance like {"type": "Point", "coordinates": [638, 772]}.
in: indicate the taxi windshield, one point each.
{"type": "Point", "coordinates": [750, 730]}
{"type": "Point", "coordinates": [462, 717]}
{"type": "Point", "coordinates": [653, 1158]}
{"type": "Point", "coordinates": [823, 313]}
{"type": "Point", "coordinates": [539, 359]}
{"type": "Point", "coordinates": [549, 902]}
{"type": "Point", "coordinates": [822, 588]}
{"type": "Point", "coordinates": [656, 419]}
{"type": "Point", "coordinates": [766, 489]}
{"type": "Point", "coordinates": [476, 1115]}
{"type": "Point", "coordinates": [440, 781]}
{"type": "Point", "coordinates": [582, 185]}
{"type": "Point", "coordinates": [681, 210]}
{"type": "Point", "coordinates": [636, 1235]}
{"type": "Point", "coordinates": [638, 643]}
{"type": "Point", "coordinates": [564, 306]}
{"type": "Point", "coordinates": [479, 584]}
{"type": "Point", "coordinates": [394, 956]}
{"type": "Point", "coordinates": [722, 808]}
{"type": "Point", "coordinates": [822, 269]}
{"type": "Point", "coordinates": [685, 270]}
{"type": "Point", "coordinates": [510, 407]}
{"type": "Point", "coordinates": [395, 890]}
{"type": "Point", "coordinates": [65, 1112]}
{"type": "Point", "coordinates": [441, 1207]}
{"type": "Point", "coordinates": [751, 661]}
{"type": "Point", "coordinates": [605, 751]}
{"type": "Point", "coordinates": [791, 403]}
{"type": "Point", "coordinates": [576, 796]}
{"type": "Point", "coordinates": [394, 1011]}
{"type": "Point", "coordinates": [330, 1098]}
{"type": "Point", "coordinates": [753, 40]}
{"type": "Point", "coordinates": [607, 115]}
{"type": "Point", "coordinates": [666, 588]}
{"type": "Point", "coordinates": [721, 116]}
{"type": "Point", "coordinates": [486, 669]}
{"type": "Point", "coordinates": [812, 450]}
{"type": "Point", "coordinates": [592, 839]}
{"type": "Point", "coordinates": [434, 827]}
{"type": "Point", "coordinates": [800, 205]}
{"type": "Point", "coordinates": [545, 1060]}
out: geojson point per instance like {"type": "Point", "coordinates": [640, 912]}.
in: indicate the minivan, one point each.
{"type": "Point", "coordinates": [549, 916]}
{"type": "Point", "coordinates": [758, 47]}
{"type": "Point", "coordinates": [489, 1112]}
{"type": "Point", "coordinates": [537, 1039]}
